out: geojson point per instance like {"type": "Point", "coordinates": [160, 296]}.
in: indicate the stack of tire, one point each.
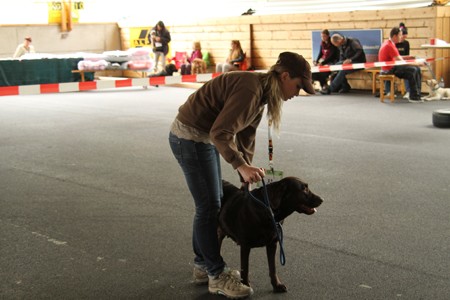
{"type": "Point", "coordinates": [441, 118]}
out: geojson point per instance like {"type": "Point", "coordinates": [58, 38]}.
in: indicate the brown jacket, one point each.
{"type": "Point", "coordinates": [229, 108]}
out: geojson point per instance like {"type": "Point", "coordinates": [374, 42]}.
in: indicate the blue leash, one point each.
{"type": "Point", "coordinates": [277, 225]}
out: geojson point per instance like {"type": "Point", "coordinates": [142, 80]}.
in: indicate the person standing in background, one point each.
{"type": "Point", "coordinates": [24, 48]}
{"type": "Point", "coordinates": [328, 55]}
{"type": "Point", "coordinates": [160, 39]}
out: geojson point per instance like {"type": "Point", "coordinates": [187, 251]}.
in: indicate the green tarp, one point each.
{"type": "Point", "coordinates": [39, 71]}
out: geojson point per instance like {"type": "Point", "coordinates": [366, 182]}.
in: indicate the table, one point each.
{"type": "Point", "coordinates": [436, 46]}
{"type": "Point", "coordinates": [16, 72]}
{"type": "Point", "coordinates": [85, 73]}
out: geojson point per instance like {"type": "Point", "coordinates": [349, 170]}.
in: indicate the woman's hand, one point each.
{"type": "Point", "coordinates": [251, 174]}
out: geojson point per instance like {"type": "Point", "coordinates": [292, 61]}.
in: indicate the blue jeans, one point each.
{"type": "Point", "coordinates": [387, 86]}
{"type": "Point", "coordinates": [340, 81]}
{"type": "Point", "coordinates": [412, 76]}
{"type": "Point", "coordinates": [201, 167]}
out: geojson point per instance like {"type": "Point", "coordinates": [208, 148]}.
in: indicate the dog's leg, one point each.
{"type": "Point", "coordinates": [245, 256]}
{"type": "Point", "coordinates": [220, 236]}
{"type": "Point", "coordinates": [278, 287]}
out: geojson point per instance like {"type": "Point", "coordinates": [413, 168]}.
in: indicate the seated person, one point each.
{"type": "Point", "coordinates": [351, 52]}
{"type": "Point", "coordinates": [235, 56]}
{"type": "Point", "coordinates": [185, 68]}
{"type": "Point", "coordinates": [403, 44]}
{"type": "Point", "coordinates": [411, 72]}
{"type": "Point", "coordinates": [403, 49]}
{"type": "Point", "coordinates": [328, 55]}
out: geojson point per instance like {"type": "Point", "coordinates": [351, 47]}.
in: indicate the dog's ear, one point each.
{"type": "Point", "coordinates": [277, 190]}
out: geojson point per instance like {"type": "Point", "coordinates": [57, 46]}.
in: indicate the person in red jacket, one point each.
{"type": "Point", "coordinates": [410, 72]}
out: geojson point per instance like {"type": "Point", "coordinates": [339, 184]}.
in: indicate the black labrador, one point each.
{"type": "Point", "coordinates": [250, 224]}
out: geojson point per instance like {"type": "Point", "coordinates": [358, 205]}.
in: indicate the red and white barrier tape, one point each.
{"type": "Point", "coordinates": [370, 65]}
{"type": "Point", "coordinates": [101, 84]}
{"type": "Point", "coordinates": [132, 82]}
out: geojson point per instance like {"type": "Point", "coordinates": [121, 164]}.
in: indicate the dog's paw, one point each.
{"type": "Point", "coordinates": [279, 288]}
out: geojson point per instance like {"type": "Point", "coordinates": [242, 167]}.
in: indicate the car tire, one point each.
{"type": "Point", "coordinates": [441, 118]}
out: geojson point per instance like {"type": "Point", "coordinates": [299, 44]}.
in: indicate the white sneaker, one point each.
{"type": "Point", "coordinates": [229, 286]}
{"type": "Point", "coordinates": [406, 96]}
{"type": "Point", "coordinates": [201, 276]}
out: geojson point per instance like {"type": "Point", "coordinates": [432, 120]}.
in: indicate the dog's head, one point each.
{"type": "Point", "coordinates": [170, 69]}
{"type": "Point", "coordinates": [432, 83]}
{"type": "Point", "coordinates": [292, 194]}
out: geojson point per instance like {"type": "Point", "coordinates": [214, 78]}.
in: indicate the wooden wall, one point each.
{"type": "Point", "coordinates": [95, 38]}
{"type": "Point", "coordinates": [264, 37]}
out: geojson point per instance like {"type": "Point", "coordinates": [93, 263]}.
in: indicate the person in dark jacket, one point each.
{"type": "Point", "coordinates": [403, 49]}
{"type": "Point", "coordinates": [328, 55]}
{"type": "Point", "coordinates": [351, 52]}
{"type": "Point", "coordinates": [160, 38]}
{"type": "Point", "coordinates": [403, 44]}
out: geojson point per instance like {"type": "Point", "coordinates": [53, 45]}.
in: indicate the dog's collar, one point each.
{"type": "Point", "coordinates": [435, 88]}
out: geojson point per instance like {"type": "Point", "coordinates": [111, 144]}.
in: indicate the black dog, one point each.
{"type": "Point", "coordinates": [168, 71]}
{"type": "Point", "coordinates": [250, 223]}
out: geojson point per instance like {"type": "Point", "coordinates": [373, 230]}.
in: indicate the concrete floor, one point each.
{"type": "Point", "coordinates": [94, 206]}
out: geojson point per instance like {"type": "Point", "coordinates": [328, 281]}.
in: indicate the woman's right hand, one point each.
{"type": "Point", "coordinates": [251, 174]}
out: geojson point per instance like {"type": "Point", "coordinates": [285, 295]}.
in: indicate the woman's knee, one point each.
{"type": "Point", "coordinates": [183, 69]}
{"type": "Point", "coordinates": [227, 67]}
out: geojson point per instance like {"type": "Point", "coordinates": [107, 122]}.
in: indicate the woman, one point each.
{"type": "Point", "coordinates": [231, 107]}
{"type": "Point", "coordinates": [196, 53]}
{"type": "Point", "coordinates": [235, 56]}
{"type": "Point", "coordinates": [160, 38]}
{"type": "Point", "coordinates": [403, 45]}
{"type": "Point", "coordinates": [328, 55]}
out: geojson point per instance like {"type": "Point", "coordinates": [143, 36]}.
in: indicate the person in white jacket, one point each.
{"type": "Point", "coordinates": [24, 48]}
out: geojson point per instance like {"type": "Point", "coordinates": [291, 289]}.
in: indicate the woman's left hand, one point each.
{"type": "Point", "coordinates": [251, 174]}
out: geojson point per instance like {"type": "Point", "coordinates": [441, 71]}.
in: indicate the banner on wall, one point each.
{"type": "Point", "coordinates": [55, 11]}
{"type": "Point", "coordinates": [138, 37]}
{"type": "Point", "coordinates": [370, 39]}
